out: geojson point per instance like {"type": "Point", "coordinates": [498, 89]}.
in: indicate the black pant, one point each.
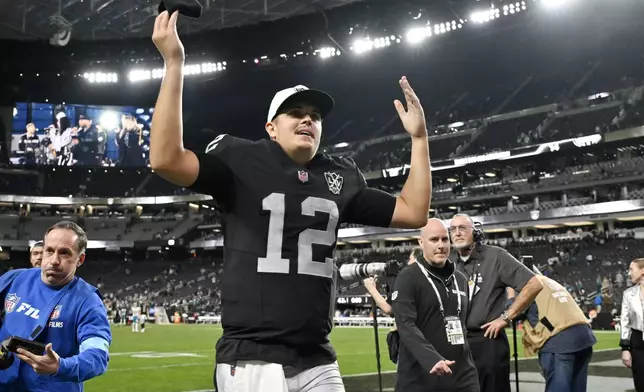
{"type": "Point", "coordinates": [637, 356]}
{"type": "Point", "coordinates": [492, 360]}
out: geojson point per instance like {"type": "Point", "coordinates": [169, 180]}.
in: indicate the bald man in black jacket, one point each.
{"type": "Point", "coordinates": [430, 305]}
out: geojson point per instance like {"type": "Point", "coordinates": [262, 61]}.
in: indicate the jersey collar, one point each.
{"type": "Point", "coordinates": [285, 160]}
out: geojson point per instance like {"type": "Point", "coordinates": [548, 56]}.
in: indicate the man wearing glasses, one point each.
{"type": "Point", "coordinates": [490, 270]}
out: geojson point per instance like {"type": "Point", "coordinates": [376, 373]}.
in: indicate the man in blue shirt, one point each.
{"type": "Point", "coordinates": [52, 306]}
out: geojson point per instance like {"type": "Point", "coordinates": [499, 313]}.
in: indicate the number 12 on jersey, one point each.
{"type": "Point", "coordinates": [273, 263]}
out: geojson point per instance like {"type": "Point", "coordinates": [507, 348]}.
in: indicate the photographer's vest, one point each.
{"type": "Point", "coordinates": [557, 311]}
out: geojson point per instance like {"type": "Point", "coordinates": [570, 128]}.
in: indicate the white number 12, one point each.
{"type": "Point", "coordinates": [273, 263]}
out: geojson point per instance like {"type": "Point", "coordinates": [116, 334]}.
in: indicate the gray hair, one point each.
{"type": "Point", "coordinates": [81, 240]}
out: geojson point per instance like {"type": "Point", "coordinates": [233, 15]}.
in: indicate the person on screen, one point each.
{"type": "Point", "coordinates": [87, 150]}
{"type": "Point", "coordinates": [60, 138]}
{"type": "Point", "coordinates": [129, 142]}
{"type": "Point", "coordinates": [28, 146]}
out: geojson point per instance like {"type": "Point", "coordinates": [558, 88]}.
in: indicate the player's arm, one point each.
{"type": "Point", "coordinates": [410, 210]}
{"type": "Point", "coordinates": [93, 333]}
{"type": "Point", "coordinates": [404, 308]}
{"type": "Point", "coordinates": [168, 157]}
{"type": "Point", "coordinates": [412, 206]}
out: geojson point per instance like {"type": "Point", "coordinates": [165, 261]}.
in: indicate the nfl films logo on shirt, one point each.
{"type": "Point", "coordinates": [56, 313]}
{"type": "Point", "coordinates": [303, 176]}
{"type": "Point", "coordinates": [334, 181]}
{"type": "Point", "coordinates": [10, 302]}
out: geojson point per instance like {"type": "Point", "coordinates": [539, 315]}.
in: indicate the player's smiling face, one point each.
{"type": "Point", "coordinates": [298, 130]}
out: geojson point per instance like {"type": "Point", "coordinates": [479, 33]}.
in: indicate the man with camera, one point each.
{"type": "Point", "coordinates": [55, 333]}
{"type": "Point", "coordinates": [430, 306]}
{"type": "Point", "coordinates": [490, 270]}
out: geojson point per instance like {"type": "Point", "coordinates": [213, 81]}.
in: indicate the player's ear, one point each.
{"type": "Point", "coordinates": [271, 130]}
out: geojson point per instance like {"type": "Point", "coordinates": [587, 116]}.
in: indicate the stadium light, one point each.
{"type": "Point", "coordinates": [555, 3]}
{"type": "Point", "coordinates": [101, 77]}
{"type": "Point", "coordinates": [325, 53]}
{"type": "Point", "coordinates": [485, 16]}
{"type": "Point", "coordinates": [416, 35]}
{"type": "Point", "coordinates": [366, 44]}
{"type": "Point", "coordinates": [139, 75]}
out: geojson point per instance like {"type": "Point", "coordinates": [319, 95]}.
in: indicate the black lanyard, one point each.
{"type": "Point", "coordinates": [440, 300]}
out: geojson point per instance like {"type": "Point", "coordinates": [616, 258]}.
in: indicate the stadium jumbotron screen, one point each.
{"type": "Point", "coordinates": [80, 135]}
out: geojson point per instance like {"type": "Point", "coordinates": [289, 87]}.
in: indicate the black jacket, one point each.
{"type": "Point", "coordinates": [422, 330]}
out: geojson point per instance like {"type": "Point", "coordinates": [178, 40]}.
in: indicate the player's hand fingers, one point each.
{"type": "Point", "coordinates": [449, 363]}
{"type": "Point", "coordinates": [399, 108]}
{"type": "Point", "coordinates": [172, 24]}
{"type": "Point", "coordinates": [157, 23]}
{"type": "Point", "coordinates": [163, 23]}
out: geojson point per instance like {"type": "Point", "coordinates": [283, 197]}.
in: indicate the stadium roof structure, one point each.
{"type": "Point", "coordinates": [118, 19]}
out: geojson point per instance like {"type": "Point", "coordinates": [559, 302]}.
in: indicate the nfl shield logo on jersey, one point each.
{"type": "Point", "coordinates": [303, 176]}
{"type": "Point", "coordinates": [56, 313]}
{"type": "Point", "coordinates": [10, 302]}
{"type": "Point", "coordinates": [534, 214]}
{"type": "Point", "coordinates": [334, 181]}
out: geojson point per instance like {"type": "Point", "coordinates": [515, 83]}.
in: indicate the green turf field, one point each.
{"type": "Point", "coordinates": [177, 358]}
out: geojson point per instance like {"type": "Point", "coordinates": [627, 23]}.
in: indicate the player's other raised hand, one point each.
{"type": "Point", "coordinates": [166, 38]}
{"type": "Point", "coordinates": [413, 118]}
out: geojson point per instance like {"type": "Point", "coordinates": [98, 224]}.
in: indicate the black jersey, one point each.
{"type": "Point", "coordinates": [280, 229]}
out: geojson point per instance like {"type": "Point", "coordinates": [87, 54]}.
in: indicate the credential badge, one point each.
{"type": "Point", "coordinates": [334, 181]}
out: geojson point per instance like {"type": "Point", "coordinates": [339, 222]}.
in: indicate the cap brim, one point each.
{"type": "Point", "coordinates": [316, 98]}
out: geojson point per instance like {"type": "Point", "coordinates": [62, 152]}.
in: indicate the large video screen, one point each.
{"type": "Point", "coordinates": [80, 135]}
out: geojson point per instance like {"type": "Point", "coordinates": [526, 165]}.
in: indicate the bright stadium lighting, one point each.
{"type": "Point", "coordinates": [138, 75]}
{"type": "Point", "coordinates": [362, 45]}
{"type": "Point", "coordinates": [109, 120]}
{"type": "Point", "coordinates": [554, 3]}
{"type": "Point", "coordinates": [485, 15]}
{"type": "Point", "coordinates": [325, 53]}
{"type": "Point", "coordinates": [416, 35]}
{"type": "Point", "coordinates": [101, 77]}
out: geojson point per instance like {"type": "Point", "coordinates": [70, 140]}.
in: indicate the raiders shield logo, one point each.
{"type": "Point", "coordinates": [334, 181]}
{"type": "Point", "coordinates": [56, 313]}
{"type": "Point", "coordinates": [10, 302]}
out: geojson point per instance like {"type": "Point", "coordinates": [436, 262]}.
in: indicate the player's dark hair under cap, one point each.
{"type": "Point", "coordinates": [190, 8]}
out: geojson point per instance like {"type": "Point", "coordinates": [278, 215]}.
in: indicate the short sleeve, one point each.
{"type": "Point", "coordinates": [512, 272]}
{"type": "Point", "coordinates": [369, 206]}
{"type": "Point", "coordinates": [215, 175]}
{"type": "Point", "coordinates": [93, 324]}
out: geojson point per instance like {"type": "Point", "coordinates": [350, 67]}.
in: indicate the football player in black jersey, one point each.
{"type": "Point", "coordinates": [282, 203]}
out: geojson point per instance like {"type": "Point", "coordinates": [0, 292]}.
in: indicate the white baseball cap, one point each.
{"type": "Point", "coordinates": [300, 94]}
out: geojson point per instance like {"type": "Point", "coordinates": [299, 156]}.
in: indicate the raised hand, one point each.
{"type": "Point", "coordinates": [166, 38]}
{"type": "Point", "coordinates": [413, 118]}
